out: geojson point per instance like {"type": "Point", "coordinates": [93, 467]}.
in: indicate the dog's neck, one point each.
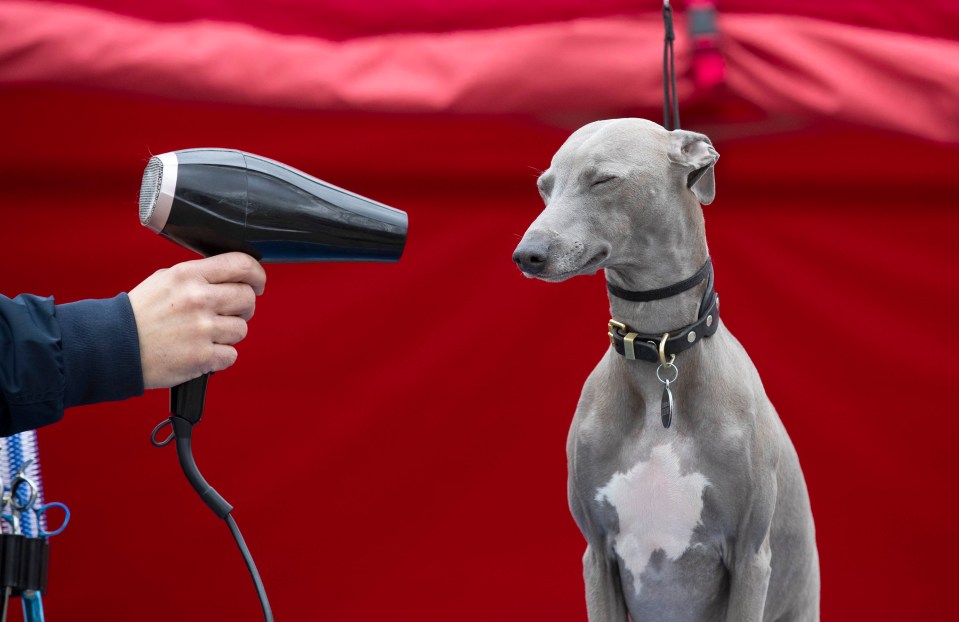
{"type": "Point", "coordinates": [669, 264]}
{"type": "Point", "coordinates": [659, 316]}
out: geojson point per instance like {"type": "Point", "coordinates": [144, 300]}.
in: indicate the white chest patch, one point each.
{"type": "Point", "coordinates": [657, 509]}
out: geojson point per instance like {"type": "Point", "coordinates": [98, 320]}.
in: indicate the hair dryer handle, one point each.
{"type": "Point", "coordinates": [186, 400]}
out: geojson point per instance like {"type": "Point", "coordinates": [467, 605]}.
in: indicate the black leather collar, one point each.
{"type": "Point", "coordinates": [645, 347]}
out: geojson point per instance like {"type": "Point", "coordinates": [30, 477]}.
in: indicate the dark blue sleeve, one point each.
{"type": "Point", "coordinates": [56, 356]}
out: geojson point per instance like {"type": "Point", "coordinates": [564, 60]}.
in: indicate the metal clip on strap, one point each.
{"type": "Point", "coordinates": [629, 340]}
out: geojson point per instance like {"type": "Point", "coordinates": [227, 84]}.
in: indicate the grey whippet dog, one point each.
{"type": "Point", "coordinates": [709, 518]}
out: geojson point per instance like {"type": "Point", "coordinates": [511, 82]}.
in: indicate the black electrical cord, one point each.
{"type": "Point", "coordinates": [248, 559]}
{"type": "Point", "coordinates": [183, 433]}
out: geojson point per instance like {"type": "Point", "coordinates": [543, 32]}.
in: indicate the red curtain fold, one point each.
{"type": "Point", "coordinates": [783, 66]}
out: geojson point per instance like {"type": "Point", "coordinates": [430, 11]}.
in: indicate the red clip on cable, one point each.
{"type": "Point", "coordinates": [707, 62]}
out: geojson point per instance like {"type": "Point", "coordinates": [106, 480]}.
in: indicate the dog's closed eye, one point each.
{"type": "Point", "coordinates": [604, 179]}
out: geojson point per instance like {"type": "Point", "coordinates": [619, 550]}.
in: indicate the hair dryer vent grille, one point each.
{"type": "Point", "coordinates": [150, 188]}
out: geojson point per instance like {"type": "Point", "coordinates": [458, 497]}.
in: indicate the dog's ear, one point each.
{"type": "Point", "coordinates": [695, 153]}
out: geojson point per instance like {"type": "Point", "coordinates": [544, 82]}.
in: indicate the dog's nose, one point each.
{"type": "Point", "coordinates": [531, 256]}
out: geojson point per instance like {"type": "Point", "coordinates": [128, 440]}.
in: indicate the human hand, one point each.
{"type": "Point", "coordinates": [189, 316]}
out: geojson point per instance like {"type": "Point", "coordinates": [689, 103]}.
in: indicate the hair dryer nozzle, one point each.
{"type": "Point", "coordinates": [219, 200]}
{"type": "Point", "coordinates": [156, 191]}
{"type": "Point", "coordinates": [150, 189]}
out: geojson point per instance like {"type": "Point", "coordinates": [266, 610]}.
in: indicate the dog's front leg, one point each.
{"type": "Point", "coordinates": [750, 581]}
{"type": "Point", "coordinates": [750, 567]}
{"type": "Point", "coordinates": [604, 590]}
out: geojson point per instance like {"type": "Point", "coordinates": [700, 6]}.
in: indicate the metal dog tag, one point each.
{"type": "Point", "coordinates": [667, 406]}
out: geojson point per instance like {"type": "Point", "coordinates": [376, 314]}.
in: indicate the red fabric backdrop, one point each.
{"type": "Point", "coordinates": [429, 483]}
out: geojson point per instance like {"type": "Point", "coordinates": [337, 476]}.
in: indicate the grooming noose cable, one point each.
{"type": "Point", "coordinates": [670, 98]}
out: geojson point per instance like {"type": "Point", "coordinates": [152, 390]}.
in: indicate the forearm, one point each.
{"type": "Point", "coordinates": [177, 324]}
{"type": "Point", "coordinates": [31, 368]}
{"type": "Point", "coordinates": [56, 356]}
{"type": "Point", "coordinates": [100, 350]}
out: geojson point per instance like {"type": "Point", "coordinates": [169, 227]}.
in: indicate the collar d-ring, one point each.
{"type": "Point", "coordinates": [662, 352]}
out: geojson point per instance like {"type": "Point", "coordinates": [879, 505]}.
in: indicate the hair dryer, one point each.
{"type": "Point", "coordinates": [220, 200]}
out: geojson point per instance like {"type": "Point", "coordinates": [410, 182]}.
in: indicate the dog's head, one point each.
{"type": "Point", "coordinates": [615, 190]}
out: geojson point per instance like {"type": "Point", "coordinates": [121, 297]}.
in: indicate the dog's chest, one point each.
{"type": "Point", "coordinates": [652, 508]}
